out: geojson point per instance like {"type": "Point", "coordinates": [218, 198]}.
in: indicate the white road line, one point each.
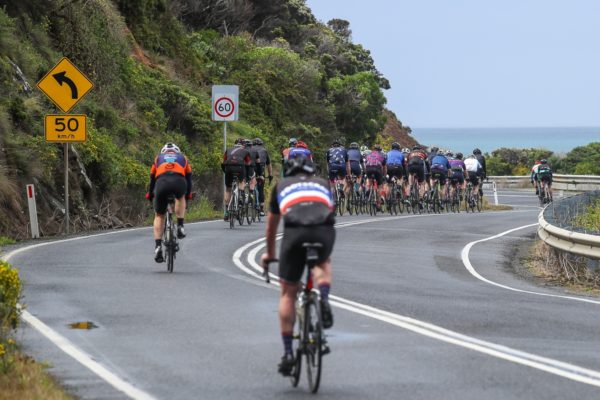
{"type": "Point", "coordinates": [67, 346]}
{"type": "Point", "coordinates": [556, 367]}
{"type": "Point", "coordinates": [471, 269]}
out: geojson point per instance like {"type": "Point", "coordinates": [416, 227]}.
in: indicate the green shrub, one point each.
{"type": "Point", "coordinates": [591, 219]}
{"type": "Point", "coordinates": [10, 292]}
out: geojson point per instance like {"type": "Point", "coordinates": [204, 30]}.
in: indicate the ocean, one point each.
{"type": "Point", "coordinates": [558, 140]}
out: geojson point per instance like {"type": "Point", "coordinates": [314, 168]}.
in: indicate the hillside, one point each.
{"type": "Point", "coordinates": [153, 63]}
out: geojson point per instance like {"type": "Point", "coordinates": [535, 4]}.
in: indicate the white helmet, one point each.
{"type": "Point", "coordinates": [170, 148]}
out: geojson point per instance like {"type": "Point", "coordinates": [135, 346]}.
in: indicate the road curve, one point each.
{"type": "Point", "coordinates": [411, 319]}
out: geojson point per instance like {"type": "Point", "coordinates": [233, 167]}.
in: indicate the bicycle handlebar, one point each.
{"type": "Point", "coordinates": [266, 268]}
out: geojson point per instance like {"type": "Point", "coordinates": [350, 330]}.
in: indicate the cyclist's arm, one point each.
{"type": "Point", "coordinates": [152, 179]}
{"type": "Point", "coordinates": [272, 223]}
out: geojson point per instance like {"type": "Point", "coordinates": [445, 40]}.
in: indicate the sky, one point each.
{"type": "Point", "coordinates": [481, 63]}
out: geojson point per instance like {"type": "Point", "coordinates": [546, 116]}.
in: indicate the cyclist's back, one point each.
{"type": "Point", "coordinates": [395, 162]}
{"type": "Point", "coordinates": [417, 163]}
{"type": "Point", "coordinates": [439, 167]}
{"type": "Point", "coordinates": [336, 157]}
{"type": "Point", "coordinates": [301, 150]}
{"type": "Point", "coordinates": [356, 160]}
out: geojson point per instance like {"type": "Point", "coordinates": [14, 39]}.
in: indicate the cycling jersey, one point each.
{"type": "Point", "coordinates": [237, 155]}
{"type": "Point", "coordinates": [170, 174]}
{"type": "Point", "coordinates": [481, 160]}
{"type": "Point", "coordinates": [300, 152]}
{"type": "Point", "coordinates": [395, 157]}
{"type": "Point", "coordinates": [354, 156]}
{"type": "Point", "coordinates": [440, 163]}
{"type": "Point", "coordinates": [544, 172]}
{"type": "Point", "coordinates": [303, 201]}
{"type": "Point", "coordinates": [337, 157]}
{"type": "Point", "coordinates": [170, 163]}
{"type": "Point", "coordinates": [417, 157]}
{"type": "Point", "coordinates": [375, 159]}
{"type": "Point", "coordinates": [473, 166]}
{"type": "Point", "coordinates": [534, 170]}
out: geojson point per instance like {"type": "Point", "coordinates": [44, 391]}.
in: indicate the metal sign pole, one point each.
{"type": "Point", "coordinates": [224, 150]}
{"type": "Point", "coordinates": [67, 188]}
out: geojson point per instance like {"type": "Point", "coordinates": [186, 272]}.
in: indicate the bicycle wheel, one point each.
{"type": "Point", "coordinates": [341, 203]}
{"type": "Point", "coordinates": [479, 202]}
{"type": "Point", "coordinates": [435, 201]}
{"type": "Point", "coordinates": [170, 246]}
{"type": "Point", "coordinates": [313, 349]}
{"type": "Point", "coordinates": [240, 212]}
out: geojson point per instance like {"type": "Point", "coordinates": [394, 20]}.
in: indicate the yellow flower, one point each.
{"type": "Point", "coordinates": [2, 352]}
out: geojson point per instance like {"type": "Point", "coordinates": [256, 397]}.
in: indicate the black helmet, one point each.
{"type": "Point", "coordinates": [459, 156]}
{"type": "Point", "coordinates": [336, 142]}
{"type": "Point", "coordinates": [396, 146]}
{"type": "Point", "coordinates": [299, 165]}
{"type": "Point", "coordinates": [477, 152]}
{"type": "Point", "coordinates": [416, 147]}
{"type": "Point", "coordinates": [377, 147]}
{"type": "Point", "coordinates": [239, 141]}
{"type": "Point", "coordinates": [354, 145]}
{"type": "Point", "coordinates": [434, 149]}
{"type": "Point", "coordinates": [544, 161]}
{"type": "Point", "coordinates": [257, 142]}
{"type": "Point", "coordinates": [247, 142]}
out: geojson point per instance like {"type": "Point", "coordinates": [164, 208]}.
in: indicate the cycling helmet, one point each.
{"type": "Point", "coordinates": [459, 156]}
{"type": "Point", "coordinates": [239, 141]}
{"type": "Point", "coordinates": [336, 142]}
{"type": "Point", "coordinates": [299, 165]}
{"type": "Point", "coordinates": [257, 142]}
{"type": "Point", "coordinates": [396, 146]}
{"type": "Point", "coordinates": [354, 145]}
{"type": "Point", "coordinates": [449, 154]}
{"type": "Point", "coordinates": [544, 161]}
{"type": "Point", "coordinates": [406, 150]}
{"type": "Point", "coordinates": [247, 142]}
{"type": "Point", "coordinates": [301, 144]}
{"type": "Point", "coordinates": [434, 149]}
{"type": "Point", "coordinates": [476, 151]}
{"type": "Point", "coordinates": [170, 148]}
{"type": "Point", "coordinates": [363, 148]}
{"type": "Point", "coordinates": [377, 147]}
{"type": "Point", "coordinates": [293, 142]}
{"type": "Point", "coordinates": [416, 147]}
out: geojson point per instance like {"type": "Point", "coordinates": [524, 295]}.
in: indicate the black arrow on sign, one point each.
{"type": "Point", "coordinates": [62, 77]}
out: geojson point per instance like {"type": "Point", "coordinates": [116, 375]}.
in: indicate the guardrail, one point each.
{"type": "Point", "coordinates": [570, 183]}
{"type": "Point", "coordinates": [566, 237]}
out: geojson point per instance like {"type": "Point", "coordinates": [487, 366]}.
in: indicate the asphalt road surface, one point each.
{"type": "Point", "coordinates": [425, 307]}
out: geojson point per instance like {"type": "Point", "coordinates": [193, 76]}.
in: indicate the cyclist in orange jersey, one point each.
{"type": "Point", "coordinates": [171, 174]}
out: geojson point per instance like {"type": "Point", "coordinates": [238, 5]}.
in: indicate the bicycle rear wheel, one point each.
{"type": "Point", "coordinates": [170, 247]}
{"type": "Point", "coordinates": [313, 349]}
{"type": "Point", "coordinates": [479, 201]}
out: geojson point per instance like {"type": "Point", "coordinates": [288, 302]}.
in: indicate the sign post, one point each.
{"type": "Point", "coordinates": [33, 220]}
{"type": "Point", "coordinates": [225, 108]}
{"type": "Point", "coordinates": [65, 85]}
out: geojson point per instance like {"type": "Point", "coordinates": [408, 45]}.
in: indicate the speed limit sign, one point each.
{"type": "Point", "coordinates": [225, 102]}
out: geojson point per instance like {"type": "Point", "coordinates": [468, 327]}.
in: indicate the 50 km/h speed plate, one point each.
{"type": "Point", "coordinates": [65, 85]}
{"type": "Point", "coordinates": [65, 128]}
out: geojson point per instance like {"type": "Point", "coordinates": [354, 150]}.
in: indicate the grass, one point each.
{"type": "Point", "coordinates": [27, 379]}
{"type": "Point", "coordinates": [487, 206]}
{"type": "Point", "coordinates": [4, 241]}
{"type": "Point", "coordinates": [591, 219]}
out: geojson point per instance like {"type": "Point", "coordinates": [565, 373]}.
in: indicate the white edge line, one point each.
{"type": "Point", "coordinates": [556, 367]}
{"type": "Point", "coordinates": [67, 346]}
{"type": "Point", "coordinates": [467, 263]}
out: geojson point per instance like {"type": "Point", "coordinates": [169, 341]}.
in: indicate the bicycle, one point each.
{"type": "Point", "coordinates": [472, 199]}
{"type": "Point", "coordinates": [395, 201]}
{"type": "Point", "coordinates": [170, 235]}
{"type": "Point", "coordinates": [354, 198]}
{"type": "Point", "coordinates": [414, 198]}
{"type": "Point", "coordinates": [373, 193]}
{"type": "Point", "coordinates": [312, 342]}
{"type": "Point", "coordinates": [436, 202]}
{"type": "Point", "coordinates": [545, 196]}
{"type": "Point", "coordinates": [454, 197]}
{"type": "Point", "coordinates": [339, 198]}
{"type": "Point", "coordinates": [249, 206]}
{"type": "Point", "coordinates": [233, 208]}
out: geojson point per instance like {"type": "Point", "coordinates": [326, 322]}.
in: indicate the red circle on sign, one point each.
{"type": "Point", "coordinates": [225, 101]}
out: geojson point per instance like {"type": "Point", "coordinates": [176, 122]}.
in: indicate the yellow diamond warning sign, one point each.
{"type": "Point", "coordinates": [65, 85]}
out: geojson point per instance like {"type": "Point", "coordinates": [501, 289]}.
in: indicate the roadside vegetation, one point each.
{"type": "Point", "coordinates": [582, 160]}
{"type": "Point", "coordinates": [153, 63]}
{"type": "Point", "coordinates": [589, 220]}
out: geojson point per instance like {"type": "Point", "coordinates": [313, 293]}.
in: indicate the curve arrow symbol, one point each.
{"type": "Point", "coordinates": [62, 77]}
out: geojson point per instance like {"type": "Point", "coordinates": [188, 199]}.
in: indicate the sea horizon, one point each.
{"type": "Point", "coordinates": [560, 140]}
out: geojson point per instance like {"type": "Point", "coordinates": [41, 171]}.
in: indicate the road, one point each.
{"type": "Point", "coordinates": [421, 312]}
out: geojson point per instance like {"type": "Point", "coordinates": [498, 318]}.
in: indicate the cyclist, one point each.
{"type": "Point", "coordinates": [544, 174]}
{"type": "Point", "coordinates": [395, 164]}
{"type": "Point", "coordinates": [474, 171]}
{"type": "Point", "coordinates": [439, 169]}
{"type": "Point", "coordinates": [170, 174]}
{"type": "Point", "coordinates": [375, 164]}
{"type": "Point", "coordinates": [263, 162]}
{"type": "Point", "coordinates": [236, 161]}
{"type": "Point", "coordinates": [301, 150]}
{"type": "Point", "coordinates": [306, 205]}
{"type": "Point", "coordinates": [356, 161]}
{"type": "Point", "coordinates": [417, 166]}
{"type": "Point", "coordinates": [457, 173]}
{"type": "Point", "coordinates": [338, 164]}
{"type": "Point", "coordinates": [285, 152]}
{"type": "Point", "coordinates": [483, 174]}
{"type": "Point", "coordinates": [251, 169]}
{"type": "Point", "coordinates": [534, 180]}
